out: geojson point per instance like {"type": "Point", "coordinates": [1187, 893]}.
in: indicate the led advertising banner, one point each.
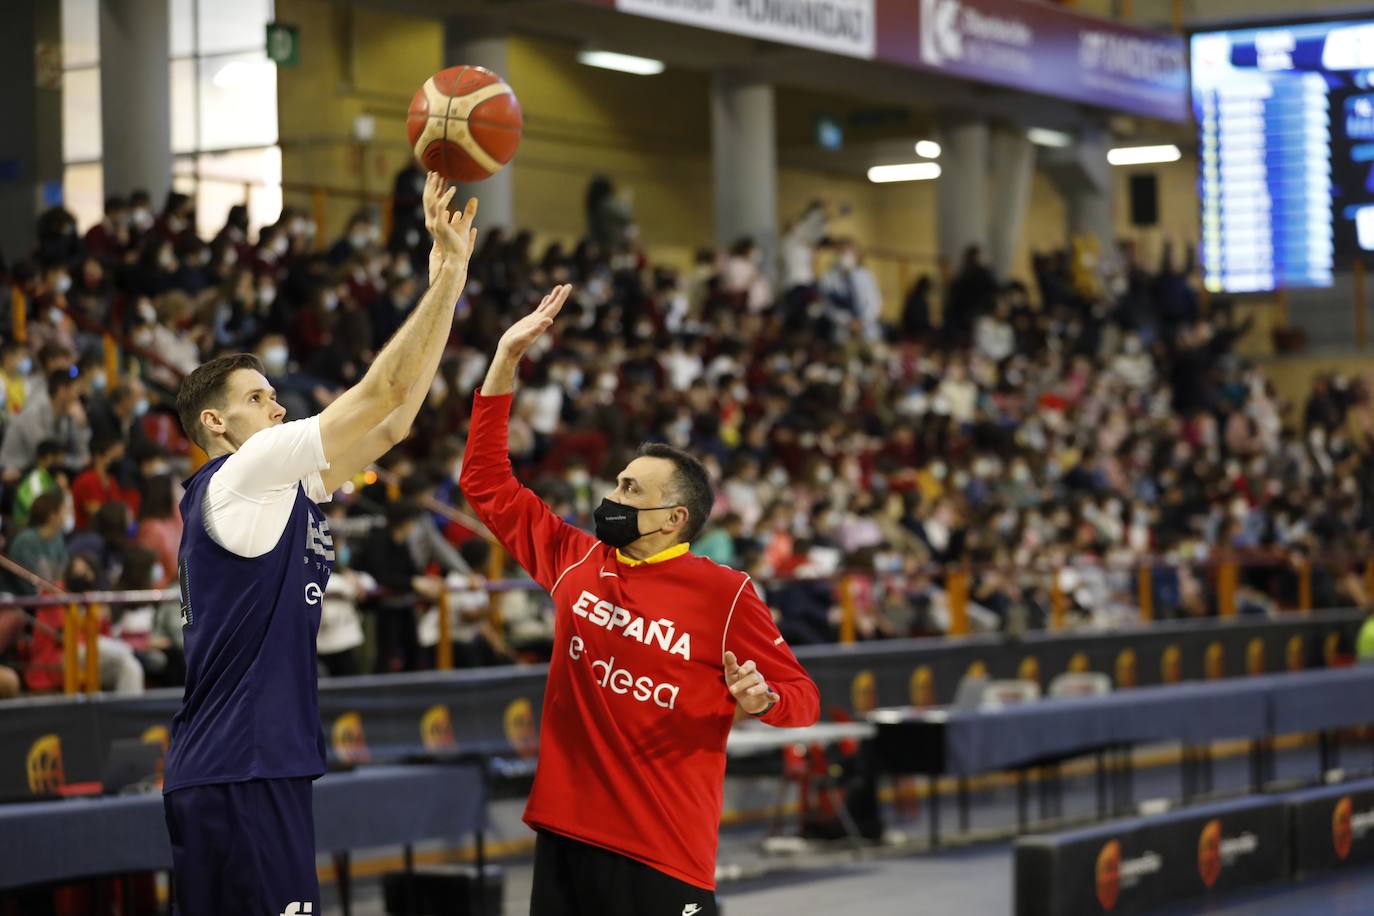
{"type": "Point", "coordinates": [1285, 120]}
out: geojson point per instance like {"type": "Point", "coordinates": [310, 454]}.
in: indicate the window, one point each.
{"type": "Point", "coordinates": [238, 101]}
{"type": "Point", "coordinates": [223, 106]}
{"type": "Point", "coordinates": [82, 183]}
{"type": "Point", "coordinates": [81, 115]}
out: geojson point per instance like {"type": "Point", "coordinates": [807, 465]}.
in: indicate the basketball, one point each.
{"type": "Point", "coordinates": [464, 123]}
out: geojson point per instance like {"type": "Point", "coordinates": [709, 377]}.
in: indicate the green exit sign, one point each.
{"type": "Point", "coordinates": [283, 44]}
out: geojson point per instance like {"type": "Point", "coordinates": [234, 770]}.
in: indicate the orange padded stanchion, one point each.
{"type": "Point", "coordinates": [1059, 602]}
{"type": "Point", "coordinates": [956, 584]}
{"type": "Point", "coordinates": [1227, 578]}
{"type": "Point", "coordinates": [847, 624]}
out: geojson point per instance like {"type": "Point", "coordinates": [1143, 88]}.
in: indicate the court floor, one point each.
{"type": "Point", "coordinates": [965, 881]}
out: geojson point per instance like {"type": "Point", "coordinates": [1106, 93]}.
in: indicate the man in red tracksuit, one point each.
{"type": "Point", "coordinates": [646, 671]}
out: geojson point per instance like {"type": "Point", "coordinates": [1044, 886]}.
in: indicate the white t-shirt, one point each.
{"type": "Point", "coordinates": [248, 502]}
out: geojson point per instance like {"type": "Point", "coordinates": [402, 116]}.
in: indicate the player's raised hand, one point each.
{"type": "Point", "coordinates": [434, 189]}
{"type": "Point", "coordinates": [527, 330]}
{"type": "Point", "coordinates": [747, 686]}
{"type": "Point", "coordinates": [454, 235]}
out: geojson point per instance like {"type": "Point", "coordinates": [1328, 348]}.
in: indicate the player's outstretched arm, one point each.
{"type": "Point", "coordinates": [373, 416]}
{"type": "Point", "coordinates": [517, 340]}
{"type": "Point", "coordinates": [536, 537]}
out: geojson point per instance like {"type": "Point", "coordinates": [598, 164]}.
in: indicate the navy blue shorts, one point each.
{"type": "Point", "coordinates": [244, 848]}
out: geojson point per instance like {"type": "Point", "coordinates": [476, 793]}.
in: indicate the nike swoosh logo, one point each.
{"type": "Point", "coordinates": [605, 575]}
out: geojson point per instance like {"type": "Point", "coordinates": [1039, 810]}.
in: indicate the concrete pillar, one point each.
{"type": "Point", "coordinates": [1092, 210]}
{"type": "Point", "coordinates": [962, 193]}
{"type": "Point", "coordinates": [1084, 178]}
{"type": "Point", "coordinates": [744, 163]}
{"type": "Point", "coordinates": [1013, 170]}
{"type": "Point", "coordinates": [135, 97]}
{"type": "Point", "coordinates": [31, 110]}
{"type": "Point", "coordinates": [467, 44]}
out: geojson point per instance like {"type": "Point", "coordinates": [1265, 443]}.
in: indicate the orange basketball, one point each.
{"type": "Point", "coordinates": [464, 123]}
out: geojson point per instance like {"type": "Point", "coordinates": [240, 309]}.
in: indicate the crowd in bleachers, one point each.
{"type": "Point", "coordinates": [1089, 417]}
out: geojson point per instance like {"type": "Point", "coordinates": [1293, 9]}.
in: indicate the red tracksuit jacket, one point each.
{"type": "Point", "coordinates": [636, 709]}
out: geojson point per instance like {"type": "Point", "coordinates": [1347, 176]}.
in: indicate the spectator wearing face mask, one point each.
{"type": "Point", "coordinates": [92, 295]}
{"type": "Point", "coordinates": [40, 547]}
{"type": "Point", "coordinates": [119, 669]}
{"type": "Point", "coordinates": [269, 257]}
{"type": "Point", "coordinates": [236, 312]}
{"type": "Point", "coordinates": [275, 356]}
{"type": "Point", "coordinates": [742, 276]}
{"type": "Point", "coordinates": [168, 329]}
{"type": "Point", "coordinates": [58, 242]}
{"type": "Point", "coordinates": [390, 310]}
{"type": "Point", "coordinates": [15, 379]}
{"type": "Point", "coordinates": [49, 324]}
{"type": "Point", "coordinates": [851, 290]}
{"type": "Point", "coordinates": [157, 268]}
{"type": "Point", "coordinates": [159, 525]}
{"type": "Point", "coordinates": [340, 641]}
{"type": "Point", "coordinates": [361, 236]}
{"type": "Point", "coordinates": [234, 235]}
{"type": "Point", "coordinates": [192, 275]}
{"type": "Point", "coordinates": [60, 418]}
{"type": "Point", "coordinates": [152, 631]}
{"type": "Point", "coordinates": [45, 477]}
{"type": "Point", "coordinates": [178, 221]}
{"type": "Point", "coordinates": [97, 486]}
{"type": "Point", "coordinates": [141, 217]}
{"type": "Point", "coordinates": [110, 238]}
{"type": "Point", "coordinates": [117, 413]}
{"type": "Point", "coordinates": [314, 325]}
{"type": "Point", "coordinates": [106, 542]}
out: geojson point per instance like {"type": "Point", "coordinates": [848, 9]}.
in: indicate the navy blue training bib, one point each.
{"type": "Point", "coordinates": [251, 708]}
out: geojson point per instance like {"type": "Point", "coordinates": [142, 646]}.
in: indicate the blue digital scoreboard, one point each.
{"type": "Point", "coordinates": [1285, 118]}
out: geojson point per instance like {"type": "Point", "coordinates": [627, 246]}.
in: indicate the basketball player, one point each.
{"type": "Point", "coordinates": [646, 673]}
{"type": "Point", "coordinates": [255, 555]}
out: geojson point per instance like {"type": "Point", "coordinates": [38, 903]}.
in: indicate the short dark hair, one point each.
{"type": "Point", "coordinates": [59, 379]}
{"type": "Point", "coordinates": [157, 497]}
{"type": "Point", "coordinates": [205, 387]}
{"type": "Point", "coordinates": [400, 514]}
{"type": "Point", "coordinates": [51, 351]}
{"type": "Point", "coordinates": [417, 482]}
{"type": "Point", "coordinates": [690, 485]}
{"type": "Point", "coordinates": [44, 508]}
{"type": "Point", "coordinates": [103, 441]}
{"type": "Point", "coordinates": [49, 447]}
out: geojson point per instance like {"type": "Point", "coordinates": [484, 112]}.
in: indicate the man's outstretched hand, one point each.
{"type": "Point", "coordinates": [517, 340]}
{"type": "Point", "coordinates": [521, 335]}
{"type": "Point", "coordinates": [747, 686]}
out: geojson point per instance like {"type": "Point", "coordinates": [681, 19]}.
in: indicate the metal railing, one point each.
{"type": "Point", "coordinates": [82, 611]}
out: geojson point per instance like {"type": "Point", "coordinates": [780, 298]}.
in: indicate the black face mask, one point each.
{"type": "Point", "coordinates": [80, 583]}
{"type": "Point", "coordinates": [617, 525]}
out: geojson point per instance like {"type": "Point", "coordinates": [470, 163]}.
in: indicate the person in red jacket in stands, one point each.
{"type": "Point", "coordinates": [97, 485]}
{"type": "Point", "coordinates": [654, 649]}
